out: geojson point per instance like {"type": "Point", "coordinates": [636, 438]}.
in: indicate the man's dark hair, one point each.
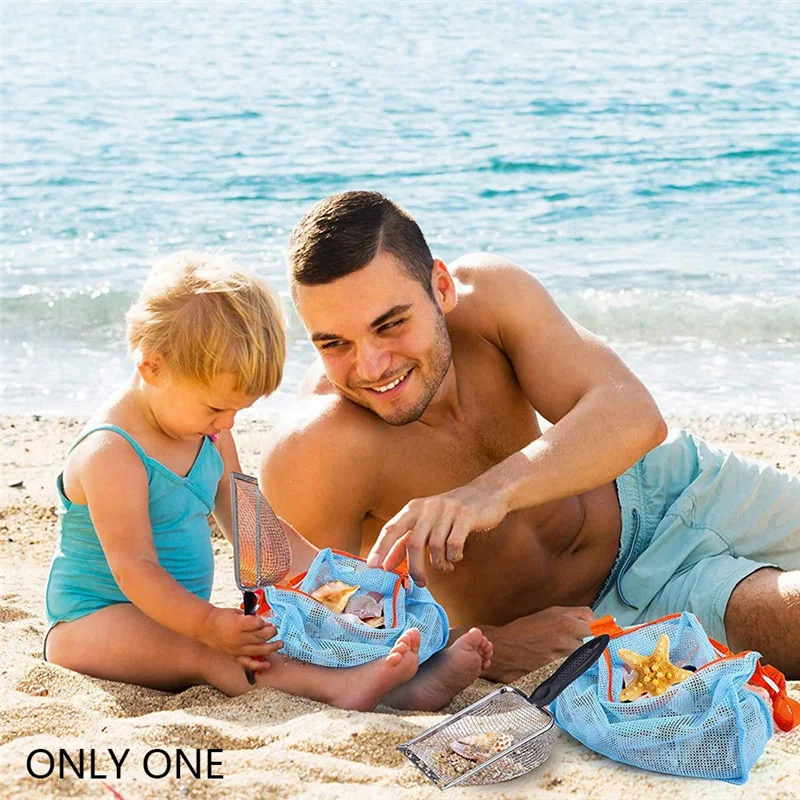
{"type": "Point", "coordinates": [344, 232]}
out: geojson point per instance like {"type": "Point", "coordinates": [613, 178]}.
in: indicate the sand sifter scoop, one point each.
{"type": "Point", "coordinates": [502, 736]}
{"type": "Point", "coordinates": [261, 552]}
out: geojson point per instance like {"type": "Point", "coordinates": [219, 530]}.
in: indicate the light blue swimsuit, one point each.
{"type": "Point", "coordinates": [81, 581]}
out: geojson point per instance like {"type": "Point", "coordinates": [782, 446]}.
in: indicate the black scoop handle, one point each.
{"type": "Point", "coordinates": [250, 603]}
{"type": "Point", "coordinates": [572, 668]}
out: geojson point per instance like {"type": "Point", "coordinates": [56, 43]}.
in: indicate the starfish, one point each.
{"type": "Point", "coordinates": [654, 673]}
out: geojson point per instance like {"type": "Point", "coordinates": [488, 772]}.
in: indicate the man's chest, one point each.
{"type": "Point", "coordinates": [429, 461]}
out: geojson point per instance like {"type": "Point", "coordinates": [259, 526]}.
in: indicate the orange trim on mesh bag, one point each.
{"type": "Point", "coordinates": [609, 667]}
{"type": "Point", "coordinates": [298, 579]}
{"type": "Point", "coordinates": [785, 710]}
{"type": "Point", "coordinates": [401, 569]}
{"type": "Point", "coordinates": [607, 621]}
{"type": "Point", "coordinates": [395, 595]}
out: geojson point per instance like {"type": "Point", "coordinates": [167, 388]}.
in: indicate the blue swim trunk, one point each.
{"type": "Point", "coordinates": [696, 520]}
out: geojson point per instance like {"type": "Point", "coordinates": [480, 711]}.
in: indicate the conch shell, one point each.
{"type": "Point", "coordinates": [364, 607]}
{"type": "Point", "coordinates": [334, 595]}
{"type": "Point", "coordinates": [481, 746]}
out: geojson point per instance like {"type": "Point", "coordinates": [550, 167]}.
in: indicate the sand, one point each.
{"type": "Point", "coordinates": [273, 745]}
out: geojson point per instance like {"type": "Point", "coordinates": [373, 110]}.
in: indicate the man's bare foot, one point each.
{"type": "Point", "coordinates": [444, 675]}
{"type": "Point", "coordinates": [362, 688]}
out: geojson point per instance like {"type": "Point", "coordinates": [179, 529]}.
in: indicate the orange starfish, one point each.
{"type": "Point", "coordinates": [654, 673]}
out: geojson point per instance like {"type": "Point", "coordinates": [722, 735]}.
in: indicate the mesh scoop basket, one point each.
{"type": "Point", "coordinates": [262, 555]}
{"type": "Point", "coordinates": [261, 552]}
{"type": "Point", "coordinates": [511, 732]}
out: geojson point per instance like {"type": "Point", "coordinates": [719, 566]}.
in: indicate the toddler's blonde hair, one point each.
{"type": "Point", "coordinates": [207, 317]}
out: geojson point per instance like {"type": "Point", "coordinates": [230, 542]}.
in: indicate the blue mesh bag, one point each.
{"type": "Point", "coordinates": [711, 725]}
{"type": "Point", "coordinates": [313, 633]}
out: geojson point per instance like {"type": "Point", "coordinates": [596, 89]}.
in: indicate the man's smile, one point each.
{"type": "Point", "coordinates": [392, 388]}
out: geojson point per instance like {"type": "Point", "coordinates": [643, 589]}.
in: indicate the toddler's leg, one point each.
{"type": "Point", "coordinates": [121, 643]}
{"type": "Point", "coordinates": [445, 674]}
{"type": "Point", "coordinates": [355, 688]}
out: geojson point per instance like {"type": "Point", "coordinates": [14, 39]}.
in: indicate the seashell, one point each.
{"type": "Point", "coordinates": [762, 693]}
{"type": "Point", "coordinates": [364, 607]}
{"type": "Point", "coordinates": [375, 622]}
{"type": "Point", "coordinates": [481, 746]}
{"type": "Point", "coordinates": [334, 595]}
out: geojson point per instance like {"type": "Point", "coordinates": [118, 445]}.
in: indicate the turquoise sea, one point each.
{"type": "Point", "coordinates": [641, 158]}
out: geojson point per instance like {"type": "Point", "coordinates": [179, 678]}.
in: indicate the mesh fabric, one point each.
{"type": "Point", "coordinates": [313, 633]}
{"type": "Point", "coordinates": [708, 726]}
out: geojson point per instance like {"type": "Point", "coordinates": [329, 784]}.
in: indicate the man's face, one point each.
{"type": "Point", "coordinates": [382, 339]}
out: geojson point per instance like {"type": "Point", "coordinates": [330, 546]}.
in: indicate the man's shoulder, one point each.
{"type": "Point", "coordinates": [486, 282]}
{"type": "Point", "coordinates": [324, 428]}
{"type": "Point", "coordinates": [318, 469]}
{"type": "Point", "coordinates": [477, 269]}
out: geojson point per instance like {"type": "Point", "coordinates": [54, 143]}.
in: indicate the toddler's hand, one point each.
{"type": "Point", "coordinates": [241, 636]}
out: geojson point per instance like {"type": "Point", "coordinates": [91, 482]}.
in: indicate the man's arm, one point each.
{"type": "Point", "coordinates": [603, 418]}
{"type": "Point", "coordinates": [302, 551]}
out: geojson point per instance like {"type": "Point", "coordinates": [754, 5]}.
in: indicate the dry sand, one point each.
{"type": "Point", "coordinates": [274, 745]}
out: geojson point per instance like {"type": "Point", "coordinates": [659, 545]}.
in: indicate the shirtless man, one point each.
{"type": "Point", "coordinates": [417, 433]}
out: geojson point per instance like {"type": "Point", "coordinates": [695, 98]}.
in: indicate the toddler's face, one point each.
{"type": "Point", "coordinates": [187, 410]}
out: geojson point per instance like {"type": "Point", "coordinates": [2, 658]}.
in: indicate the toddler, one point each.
{"type": "Point", "coordinates": [127, 598]}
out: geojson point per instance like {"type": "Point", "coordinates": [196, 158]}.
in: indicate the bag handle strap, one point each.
{"type": "Point", "coordinates": [785, 710]}
{"type": "Point", "coordinates": [603, 625]}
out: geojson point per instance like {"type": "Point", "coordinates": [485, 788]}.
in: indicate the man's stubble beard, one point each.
{"type": "Point", "coordinates": [438, 358]}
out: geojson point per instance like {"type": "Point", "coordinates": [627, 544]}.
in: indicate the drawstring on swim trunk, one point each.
{"type": "Point", "coordinates": [629, 560]}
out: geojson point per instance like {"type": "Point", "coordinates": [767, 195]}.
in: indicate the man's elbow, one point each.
{"type": "Point", "coordinates": [652, 430]}
{"type": "Point", "coordinates": [660, 430]}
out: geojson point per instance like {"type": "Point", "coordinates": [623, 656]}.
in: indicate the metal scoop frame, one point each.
{"type": "Point", "coordinates": [524, 750]}
{"type": "Point", "coordinates": [248, 591]}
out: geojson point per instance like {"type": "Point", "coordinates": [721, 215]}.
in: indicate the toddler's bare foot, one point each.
{"type": "Point", "coordinates": [444, 675]}
{"type": "Point", "coordinates": [362, 688]}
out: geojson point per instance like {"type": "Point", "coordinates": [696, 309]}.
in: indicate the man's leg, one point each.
{"type": "Point", "coordinates": [763, 614]}
{"type": "Point", "coordinates": [755, 510]}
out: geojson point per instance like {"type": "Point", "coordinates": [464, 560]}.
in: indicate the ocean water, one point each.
{"type": "Point", "coordinates": [641, 158]}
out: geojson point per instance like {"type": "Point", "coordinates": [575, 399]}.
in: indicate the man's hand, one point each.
{"type": "Point", "coordinates": [440, 523]}
{"type": "Point", "coordinates": [530, 642]}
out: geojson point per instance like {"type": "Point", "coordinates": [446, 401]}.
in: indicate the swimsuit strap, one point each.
{"type": "Point", "coordinates": [124, 434]}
